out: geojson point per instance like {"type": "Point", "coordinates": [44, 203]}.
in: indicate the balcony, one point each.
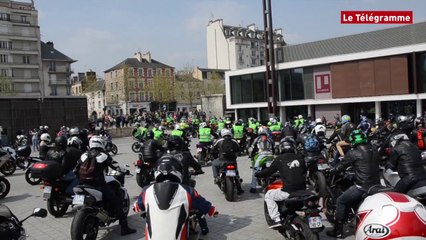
{"type": "Point", "coordinates": [60, 69]}
{"type": "Point", "coordinates": [59, 82]}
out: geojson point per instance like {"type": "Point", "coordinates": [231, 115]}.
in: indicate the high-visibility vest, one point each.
{"type": "Point", "coordinates": [238, 131]}
{"type": "Point", "coordinates": [205, 134]}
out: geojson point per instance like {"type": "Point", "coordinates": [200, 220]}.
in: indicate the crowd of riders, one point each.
{"type": "Point", "coordinates": [286, 148]}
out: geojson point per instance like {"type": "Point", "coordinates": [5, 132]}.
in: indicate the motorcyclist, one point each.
{"type": "Point", "coordinates": [339, 135]}
{"type": "Point", "coordinates": [103, 160]}
{"type": "Point", "coordinates": [228, 123]}
{"type": "Point", "coordinates": [289, 131]}
{"type": "Point", "coordinates": [239, 131]}
{"type": "Point", "coordinates": [418, 135]}
{"type": "Point", "coordinates": [347, 128]}
{"type": "Point", "coordinates": [151, 150]}
{"type": "Point", "coordinates": [169, 170]}
{"type": "Point", "coordinates": [45, 141]}
{"type": "Point", "coordinates": [292, 169]}
{"type": "Point", "coordinates": [223, 157]}
{"type": "Point", "coordinates": [205, 136]}
{"type": "Point", "coordinates": [253, 124]}
{"type": "Point", "coordinates": [407, 161]}
{"type": "Point", "coordinates": [319, 131]}
{"type": "Point", "coordinates": [84, 137]}
{"type": "Point", "coordinates": [67, 157]}
{"type": "Point", "coordinates": [363, 157]}
{"type": "Point", "coordinates": [158, 131]}
{"type": "Point", "coordinates": [75, 137]}
{"type": "Point", "coordinates": [139, 131]}
{"type": "Point", "coordinates": [180, 133]}
{"type": "Point", "coordinates": [299, 122]}
{"type": "Point", "coordinates": [364, 125]}
{"type": "Point", "coordinates": [264, 146]}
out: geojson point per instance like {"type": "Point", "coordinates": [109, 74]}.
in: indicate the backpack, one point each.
{"type": "Point", "coordinates": [421, 137]}
{"type": "Point", "coordinates": [88, 168]}
{"type": "Point", "coordinates": [227, 147]}
{"type": "Point", "coordinates": [311, 144]}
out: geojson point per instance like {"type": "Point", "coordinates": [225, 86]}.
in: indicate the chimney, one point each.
{"type": "Point", "coordinates": [147, 56]}
{"type": "Point", "coordinates": [138, 56]}
{"type": "Point", "coordinates": [50, 44]}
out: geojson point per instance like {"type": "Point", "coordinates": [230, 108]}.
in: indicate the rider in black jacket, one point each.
{"type": "Point", "coordinates": [292, 171]}
{"type": "Point", "coordinates": [407, 161]}
{"type": "Point", "coordinates": [151, 150]}
{"type": "Point", "coordinates": [97, 178]}
{"type": "Point", "coordinates": [363, 157]}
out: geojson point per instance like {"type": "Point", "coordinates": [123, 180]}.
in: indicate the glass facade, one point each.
{"type": "Point", "coordinates": [295, 84]}
{"type": "Point", "coordinates": [397, 108]}
{"type": "Point", "coordinates": [248, 88]}
{"type": "Point", "coordinates": [245, 113]}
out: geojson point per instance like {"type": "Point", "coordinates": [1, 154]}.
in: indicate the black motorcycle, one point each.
{"type": "Point", "coordinates": [110, 146]}
{"type": "Point", "coordinates": [11, 227]}
{"type": "Point", "coordinates": [300, 214]}
{"type": "Point", "coordinates": [4, 187]}
{"type": "Point", "coordinates": [316, 165]}
{"type": "Point", "coordinates": [138, 145]}
{"type": "Point", "coordinates": [204, 154]}
{"type": "Point", "coordinates": [144, 172]}
{"type": "Point", "coordinates": [228, 180]}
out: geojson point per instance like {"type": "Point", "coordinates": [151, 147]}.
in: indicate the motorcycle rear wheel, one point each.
{"type": "Point", "coordinates": [136, 147]}
{"type": "Point", "coordinates": [4, 187]}
{"type": "Point", "coordinates": [142, 178]}
{"type": "Point", "coordinates": [114, 149]}
{"type": "Point", "coordinates": [8, 168]}
{"type": "Point", "coordinates": [229, 189]}
{"type": "Point", "coordinates": [30, 179]}
{"type": "Point", "coordinates": [57, 207]}
{"type": "Point", "coordinates": [85, 225]}
{"type": "Point", "coordinates": [304, 233]}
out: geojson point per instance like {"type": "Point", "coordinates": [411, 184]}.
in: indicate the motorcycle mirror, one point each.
{"type": "Point", "coordinates": [40, 212]}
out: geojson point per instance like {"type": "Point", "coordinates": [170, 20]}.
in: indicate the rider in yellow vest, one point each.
{"type": "Point", "coordinates": [180, 133]}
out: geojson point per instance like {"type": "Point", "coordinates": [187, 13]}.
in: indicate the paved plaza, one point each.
{"type": "Point", "coordinates": [242, 219]}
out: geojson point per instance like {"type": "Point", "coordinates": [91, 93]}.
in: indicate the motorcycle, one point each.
{"type": "Point", "coordinates": [58, 201]}
{"type": "Point", "coordinates": [4, 187]}
{"type": "Point", "coordinates": [204, 154]}
{"type": "Point", "coordinates": [316, 165]}
{"type": "Point", "coordinates": [228, 180]}
{"type": "Point", "coordinates": [94, 212]}
{"type": "Point", "coordinates": [265, 162]}
{"type": "Point", "coordinates": [192, 131]}
{"type": "Point", "coordinates": [7, 163]}
{"type": "Point", "coordinates": [32, 180]}
{"type": "Point", "coordinates": [110, 146]}
{"type": "Point", "coordinates": [144, 172]}
{"type": "Point", "coordinates": [138, 145]}
{"type": "Point", "coordinates": [21, 140]}
{"type": "Point", "coordinates": [242, 143]}
{"type": "Point", "coordinates": [11, 227]}
{"type": "Point", "coordinates": [300, 214]}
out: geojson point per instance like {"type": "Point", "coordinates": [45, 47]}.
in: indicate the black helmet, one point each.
{"type": "Point", "coordinates": [168, 168]}
{"type": "Point", "coordinates": [61, 141]}
{"type": "Point", "coordinates": [287, 147]}
{"type": "Point", "coordinates": [150, 135]}
{"type": "Point", "coordinates": [175, 143]}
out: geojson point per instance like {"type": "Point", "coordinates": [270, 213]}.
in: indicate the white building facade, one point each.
{"type": "Point", "coordinates": [231, 47]}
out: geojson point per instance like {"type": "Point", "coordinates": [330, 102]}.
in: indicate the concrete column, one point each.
{"type": "Point", "coordinates": [419, 107]}
{"type": "Point", "coordinates": [310, 112]}
{"type": "Point", "coordinates": [283, 116]}
{"type": "Point", "coordinates": [258, 114]}
{"type": "Point", "coordinates": [236, 114]}
{"type": "Point", "coordinates": [378, 110]}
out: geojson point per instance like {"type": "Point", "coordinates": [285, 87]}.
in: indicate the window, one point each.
{"type": "Point", "coordinates": [5, 45]}
{"type": "Point", "coordinates": [26, 59]}
{"type": "Point", "coordinates": [130, 70]}
{"type": "Point", "coordinates": [99, 104]}
{"type": "Point", "coordinates": [112, 86]}
{"type": "Point", "coordinates": [141, 84]}
{"type": "Point", "coordinates": [3, 58]}
{"type": "Point", "coordinates": [52, 66]}
{"type": "Point", "coordinates": [295, 84]}
{"type": "Point", "coordinates": [142, 97]}
{"type": "Point", "coordinates": [248, 88]}
{"type": "Point", "coordinates": [167, 72]}
{"type": "Point", "coordinates": [53, 90]}
{"type": "Point", "coordinates": [116, 73]}
{"type": "Point", "coordinates": [5, 16]}
{"type": "Point", "coordinates": [253, 61]}
{"type": "Point", "coordinates": [159, 72]}
{"type": "Point", "coordinates": [4, 72]}
{"type": "Point", "coordinates": [24, 19]}
{"type": "Point", "coordinates": [140, 72]}
{"type": "Point", "coordinates": [116, 85]}
{"type": "Point", "coordinates": [253, 53]}
{"type": "Point", "coordinates": [99, 94]}
{"type": "Point", "coordinates": [131, 84]}
{"type": "Point", "coordinates": [110, 74]}
{"type": "Point", "coordinates": [149, 72]}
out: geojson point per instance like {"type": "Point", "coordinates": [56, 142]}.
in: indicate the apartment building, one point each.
{"type": "Point", "coordinates": [56, 71]}
{"type": "Point", "coordinates": [20, 59]}
{"type": "Point", "coordinates": [95, 94]}
{"type": "Point", "coordinates": [125, 83]}
{"type": "Point", "coordinates": [233, 47]}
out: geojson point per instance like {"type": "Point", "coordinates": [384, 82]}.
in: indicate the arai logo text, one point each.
{"type": "Point", "coordinates": [376, 230]}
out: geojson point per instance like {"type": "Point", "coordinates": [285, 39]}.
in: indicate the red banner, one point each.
{"type": "Point", "coordinates": [376, 17]}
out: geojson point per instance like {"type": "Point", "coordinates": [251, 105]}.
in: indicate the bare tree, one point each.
{"type": "Point", "coordinates": [214, 85]}
{"type": "Point", "coordinates": [161, 89]}
{"type": "Point", "coordinates": [187, 87]}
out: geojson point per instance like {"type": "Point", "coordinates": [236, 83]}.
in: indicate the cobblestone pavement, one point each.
{"type": "Point", "coordinates": [242, 219]}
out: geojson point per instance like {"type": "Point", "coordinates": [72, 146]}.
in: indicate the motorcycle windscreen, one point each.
{"type": "Point", "coordinates": [167, 205]}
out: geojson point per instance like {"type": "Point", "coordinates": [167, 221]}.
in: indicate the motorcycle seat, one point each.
{"type": "Point", "coordinates": [300, 195]}
{"type": "Point", "coordinates": [378, 189]}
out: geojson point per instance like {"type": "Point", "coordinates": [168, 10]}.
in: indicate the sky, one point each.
{"type": "Point", "coordinates": [101, 33]}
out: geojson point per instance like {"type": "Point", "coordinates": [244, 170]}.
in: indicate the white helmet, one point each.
{"type": "Point", "coordinates": [74, 141]}
{"type": "Point", "coordinates": [391, 215]}
{"type": "Point", "coordinates": [203, 125]}
{"type": "Point", "coordinates": [300, 117]}
{"type": "Point", "coordinates": [177, 126]}
{"type": "Point", "coordinates": [262, 130]}
{"type": "Point", "coordinates": [97, 142]}
{"type": "Point", "coordinates": [225, 132]}
{"type": "Point", "coordinates": [46, 127]}
{"type": "Point", "coordinates": [318, 120]}
{"type": "Point", "coordinates": [45, 137]}
{"type": "Point", "coordinates": [74, 131]}
{"type": "Point", "coordinates": [41, 127]}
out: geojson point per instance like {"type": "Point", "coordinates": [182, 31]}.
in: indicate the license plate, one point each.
{"type": "Point", "coordinates": [231, 173]}
{"type": "Point", "coordinates": [315, 222]}
{"type": "Point", "coordinates": [138, 170]}
{"type": "Point", "coordinates": [78, 200]}
{"type": "Point", "coordinates": [323, 166]}
{"type": "Point", "coordinates": [47, 191]}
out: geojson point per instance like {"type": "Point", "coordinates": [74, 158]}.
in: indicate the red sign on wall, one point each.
{"type": "Point", "coordinates": [322, 83]}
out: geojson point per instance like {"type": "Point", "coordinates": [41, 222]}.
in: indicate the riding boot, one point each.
{"type": "Point", "coordinates": [337, 231]}
{"type": "Point", "coordinates": [125, 229]}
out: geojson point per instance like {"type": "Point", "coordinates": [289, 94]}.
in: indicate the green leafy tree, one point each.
{"type": "Point", "coordinates": [161, 89]}
{"type": "Point", "coordinates": [188, 88]}
{"type": "Point", "coordinates": [6, 87]}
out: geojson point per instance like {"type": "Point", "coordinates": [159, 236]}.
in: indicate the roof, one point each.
{"type": "Point", "coordinates": [363, 42]}
{"type": "Point", "coordinates": [96, 86]}
{"type": "Point", "coordinates": [48, 52]}
{"type": "Point", "coordinates": [135, 63]}
{"type": "Point", "coordinates": [212, 70]}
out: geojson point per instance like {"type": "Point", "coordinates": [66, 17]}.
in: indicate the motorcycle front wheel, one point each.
{"type": "Point", "coordinates": [4, 187]}
{"type": "Point", "coordinates": [85, 225]}
{"type": "Point", "coordinates": [114, 149]}
{"type": "Point", "coordinates": [136, 147]}
{"type": "Point", "coordinates": [8, 168]}
{"type": "Point", "coordinates": [30, 179]}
